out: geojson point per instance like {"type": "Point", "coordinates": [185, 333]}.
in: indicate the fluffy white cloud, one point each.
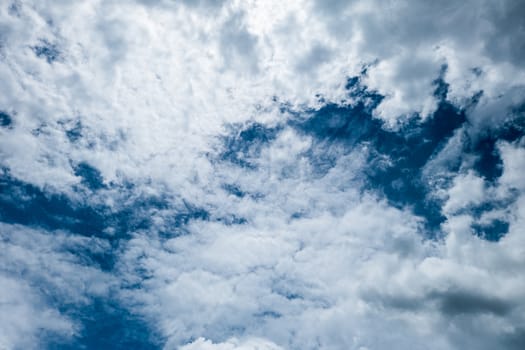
{"type": "Point", "coordinates": [24, 316]}
{"type": "Point", "coordinates": [349, 272]}
{"type": "Point", "coordinates": [514, 165]}
{"type": "Point", "coordinates": [141, 89]}
{"type": "Point", "coordinates": [466, 190]}
{"type": "Point", "coordinates": [39, 269]}
{"type": "Point", "coordinates": [232, 344]}
{"type": "Point", "coordinates": [150, 80]}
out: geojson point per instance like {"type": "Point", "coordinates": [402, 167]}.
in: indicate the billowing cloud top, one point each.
{"type": "Point", "coordinates": [262, 174]}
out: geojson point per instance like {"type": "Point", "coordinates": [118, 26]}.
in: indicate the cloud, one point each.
{"type": "Point", "coordinates": [137, 71]}
{"type": "Point", "coordinates": [42, 280]}
{"type": "Point", "coordinates": [467, 190]}
{"type": "Point", "coordinates": [224, 174]}
{"type": "Point", "coordinates": [25, 316]}
{"type": "Point", "coordinates": [232, 344]}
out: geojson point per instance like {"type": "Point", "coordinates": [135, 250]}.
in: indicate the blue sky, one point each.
{"type": "Point", "coordinates": [226, 175]}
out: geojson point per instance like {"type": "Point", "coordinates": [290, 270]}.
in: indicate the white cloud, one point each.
{"type": "Point", "coordinates": [232, 344]}
{"type": "Point", "coordinates": [468, 189]}
{"type": "Point", "coordinates": [24, 315]}
{"type": "Point", "coordinates": [320, 262]}
{"type": "Point", "coordinates": [514, 165]}
{"type": "Point", "coordinates": [38, 270]}
{"type": "Point", "coordinates": [154, 79]}
{"type": "Point", "coordinates": [348, 268]}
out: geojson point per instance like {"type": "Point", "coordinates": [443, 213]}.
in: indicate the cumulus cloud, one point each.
{"type": "Point", "coordinates": [263, 174]}
{"type": "Point", "coordinates": [43, 276]}
{"type": "Point", "coordinates": [133, 71]}
{"type": "Point", "coordinates": [232, 344]}
{"type": "Point", "coordinates": [312, 276]}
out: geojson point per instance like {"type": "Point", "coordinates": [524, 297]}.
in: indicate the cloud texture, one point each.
{"type": "Point", "coordinates": [262, 174]}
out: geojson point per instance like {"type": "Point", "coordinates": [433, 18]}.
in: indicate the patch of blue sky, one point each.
{"type": "Point", "coordinates": [105, 324]}
{"type": "Point", "coordinates": [26, 204]}
{"type": "Point", "coordinates": [234, 190]}
{"type": "Point", "coordinates": [492, 231]}
{"type": "Point", "coordinates": [74, 133]}
{"type": "Point", "coordinates": [5, 119]}
{"type": "Point", "coordinates": [47, 50]}
{"type": "Point", "coordinates": [91, 176]}
{"type": "Point", "coordinates": [484, 146]}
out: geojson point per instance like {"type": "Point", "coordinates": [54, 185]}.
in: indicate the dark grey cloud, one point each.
{"type": "Point", "coordinates": [453, 303]}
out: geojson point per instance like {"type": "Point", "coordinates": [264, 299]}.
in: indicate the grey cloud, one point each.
{"type": "Point", "coordinates": [238, 46]}
{"type": "Point", "coordinates": [506, 41]}
{"type": "Point", "coordinates": [515, 340]}
{"type": "Point", "coordinates": [453, 303]}
{"type": "Point", "coordinates": [316, 56]}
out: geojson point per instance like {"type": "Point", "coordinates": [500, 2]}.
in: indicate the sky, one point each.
{"type": "Point", "coordinates": [262, 174]}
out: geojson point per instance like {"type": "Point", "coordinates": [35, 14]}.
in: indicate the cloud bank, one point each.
{"type": "Point", "coordinates": [262, 174]}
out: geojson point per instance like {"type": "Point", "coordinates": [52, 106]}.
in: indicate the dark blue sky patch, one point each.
{"type": "Point", "coordinates": [135, 215]}
{"type": "Point", "coordinates": [232, 220]}
{"type": "Point", "coordinates": [492, 231]}
{"type": "Point", "coordinates": [477, 71]}
{"type": "Point", "coordinates": [350, 123]}
{"type": "Point", "coordinates": [488, 163]}
{"type": "Point", "coordinates": [189, 213]}
{"type": "Point", "coordinates": [244, 143]}
{"type": "Point", "coordinates": [237, 191]}
{"type": "Point", "coordinates": [47, 51]}
{"type": "Point", "coordinates": [234, 190]}
{"type": "Point", "coordinates": [106, 325]}
{"type": "Point", "coordinates": [23, 203]}
{"type": "Point", "coordinates": [336, 123]}
{"type": "Point", "coordinates": [484, 146]}
{"type": "Point", "coordinates": [5, 120]}
{"type": "Point", "coordinates": [298, 215]}
{"type": "Point", "coordinates": [410, 149]}
{"type": "Point", "coordinates": [138, 213]}
{"type": "Point", "coordinates": [358, 91]}
{"type": "Point", "coordinates": [91, 176]}
{"type": "Point", "coordinates": [74, 133]}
